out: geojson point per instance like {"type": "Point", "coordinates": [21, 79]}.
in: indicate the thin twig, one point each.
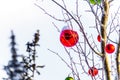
{"type": "Point", "coordinates": [100, 54]}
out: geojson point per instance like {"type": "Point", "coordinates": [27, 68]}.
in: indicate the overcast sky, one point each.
{"type": "Point", "coordinates": [24, 18]}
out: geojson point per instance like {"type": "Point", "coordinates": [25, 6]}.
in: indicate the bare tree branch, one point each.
{"type": "Point", "coordinates": [80, 26]}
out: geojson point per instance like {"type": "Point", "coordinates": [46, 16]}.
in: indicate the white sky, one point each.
{"type": "Point", "coordinates": [24, 18]}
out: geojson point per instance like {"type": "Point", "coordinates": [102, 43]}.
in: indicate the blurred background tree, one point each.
{"type": "Point", "coordinates": [23, 67]}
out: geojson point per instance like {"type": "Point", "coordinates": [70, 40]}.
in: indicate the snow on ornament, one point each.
{"type": "Point", "coordinates": [109, 48]}
{"type": "Point", "coordinates": [69, 78]}
{"type": "Point", "coordinates": [69, 37]}
{"type": "Point", "coordinates": [65, 27]}
{"type": "Point", "coordinates": [93, 71]}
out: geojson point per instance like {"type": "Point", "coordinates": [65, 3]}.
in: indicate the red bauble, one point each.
{"type": "Point", "coordinates": [99, 38]}
{"type": "Point", "coordinates": [110, 48]}
{"type": "Point", "coordinates": [93, 71]}
{"type": "Point", "coordinates": [69, 37]}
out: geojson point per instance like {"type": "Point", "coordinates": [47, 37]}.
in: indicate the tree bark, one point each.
{"type": "Point", "coordinates": [118, 57]}
{"type": "Point", "coordinates": [104, 21]}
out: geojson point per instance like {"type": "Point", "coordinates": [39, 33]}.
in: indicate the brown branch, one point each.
{"type": "Point", "coordinates": [63, 60]}
{"type": "Point", "coordinates": [118, 57]}
{"type": "Point", "coordinates": [73, 65]}
{"type": "Point", "coordinates": [94, 13]}
{"type": "Point", "coordinates": [50, 14]}
{"type": "Point", "coordinates": [104, 21]}
{"type": "Point", "coordinates": [112, 22]}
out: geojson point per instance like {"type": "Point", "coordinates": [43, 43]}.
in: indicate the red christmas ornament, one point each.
{"type": "Point", "coordinates": [99, 38]}
{"type": "Point", "coordinates": [110, 48]}
{"type": "Point", "coordinates": [93, 71]}
{"type": "Point", "coordinates": [69, 37]}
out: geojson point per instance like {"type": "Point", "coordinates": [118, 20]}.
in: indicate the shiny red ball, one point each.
{"type": "Point", "coordinates": [69, 38]}
{"type": "Point", "coordinates": [93, 71]}
{"type": "Point", "coordinates": [99, 38]}
{"type": "Point", "coordinates": [110, 48]}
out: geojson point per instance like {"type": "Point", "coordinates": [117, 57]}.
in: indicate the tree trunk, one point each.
{"type": "Point", "coordinates": [118, 57]}
{"type": "Point", "coordinates": [104, 21]}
